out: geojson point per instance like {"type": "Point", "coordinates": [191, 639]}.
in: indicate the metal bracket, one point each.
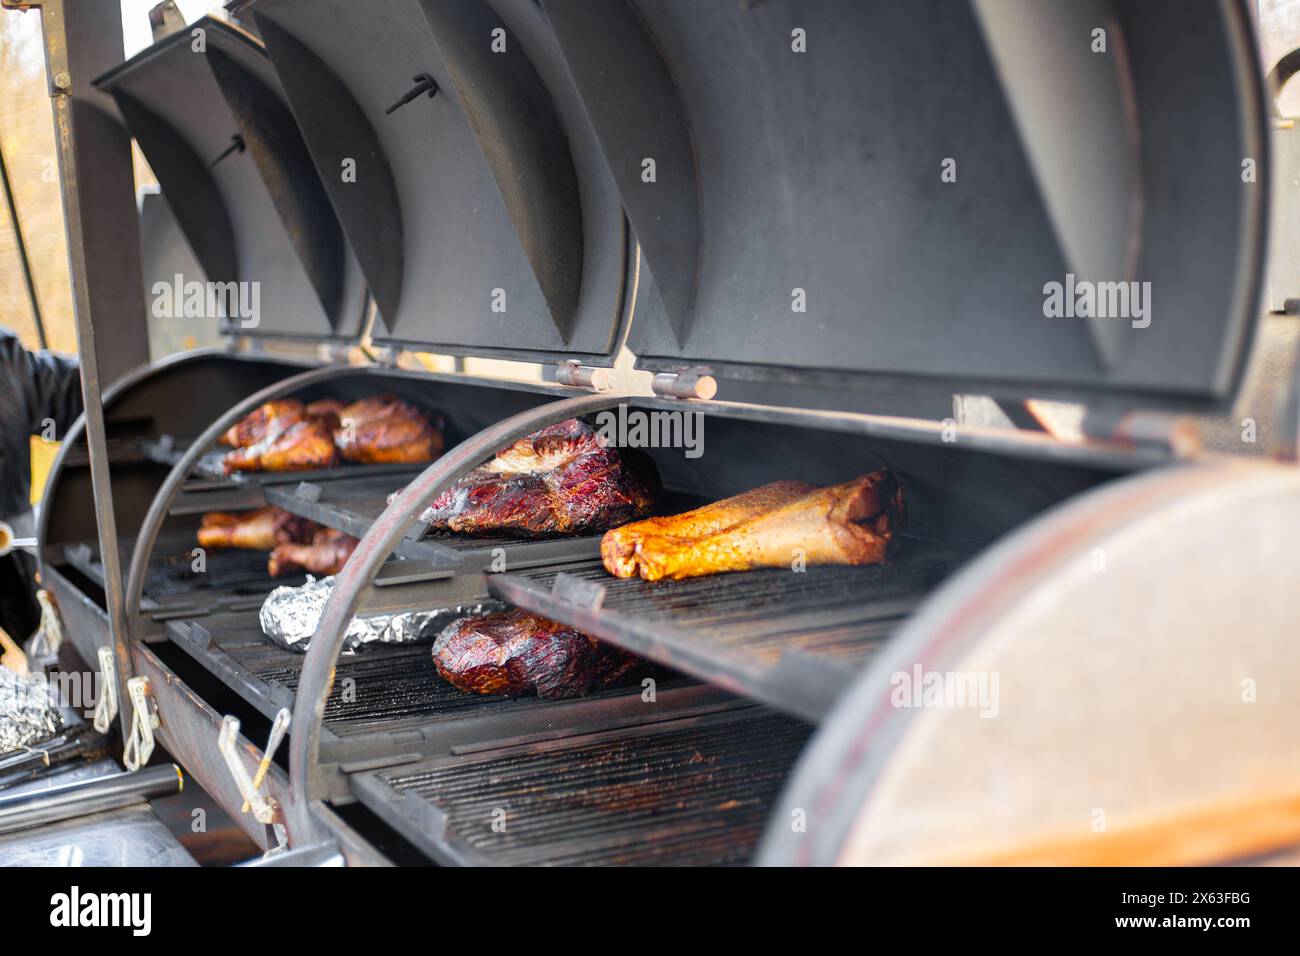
{"type": "Point", "coordinates": [578, 591]}
{"type": "Point", "coordinates": [577, 375]}
{"type": "Point", "coordinates": [106, 705]}
{"type": "Point", "coordinates": [139, 743]}
{"type": "Point", "coordinates": [685, 383]}
{"type": "Point", "coordinates": [1176, 435]}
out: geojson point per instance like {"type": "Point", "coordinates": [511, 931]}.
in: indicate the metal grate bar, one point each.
{"type": "Point", "coordinates": [791, 639]}
{"type": "Point", "coordinates": [683, 793]}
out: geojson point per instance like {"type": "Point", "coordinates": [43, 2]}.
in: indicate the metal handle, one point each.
{"type": "Point", "coordinates": [263, 807]}
{"type": "Point", "coordinates": [278, 729]}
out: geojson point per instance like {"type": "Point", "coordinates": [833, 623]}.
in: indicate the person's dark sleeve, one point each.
{"type": "Point", "coordinates": [48, 386]}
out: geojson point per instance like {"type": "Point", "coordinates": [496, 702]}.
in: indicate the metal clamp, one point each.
{"type": "Point", "coordinates": [106, 705]}
{"type": "Point", "coordinates": [139, 743]}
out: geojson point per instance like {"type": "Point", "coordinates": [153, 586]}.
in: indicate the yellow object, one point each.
{"type": "Point", "coordinates": [43, 453]}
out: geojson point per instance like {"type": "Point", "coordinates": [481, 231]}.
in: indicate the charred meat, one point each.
{"type": "Point", "coordinates": [852, 523]}
{"type": "Point", "coordinates": [385, 429]}
{"type": "Point", "coordinates": [259, 530]}
{"type": "Point", "coordinates": [517, 653]}
{"type": "Point", "coordinates": [328, 551]}
{"type": "Point", "coordinates": [287, 435]}
{"type": "Point", "coordinates": [303, 446]}
{"type": "Point", "coordinates": [559, 480]}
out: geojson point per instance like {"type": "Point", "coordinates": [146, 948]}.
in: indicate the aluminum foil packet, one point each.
{"type": "Point", "coordinates": [290, 616]}
{"type": "Point", "coordinates": [29, 711]}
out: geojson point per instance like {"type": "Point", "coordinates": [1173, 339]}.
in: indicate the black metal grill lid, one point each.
{"type": "Point", "coordinates": [208, 113]}
{"type": "Point", "coordinates": [881, 192]}
{"type": "Point", "coordinates": [482, 211]}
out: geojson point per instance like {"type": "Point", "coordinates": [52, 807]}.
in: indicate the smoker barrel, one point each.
{"type": "Point", "coordinates": [793, 236]}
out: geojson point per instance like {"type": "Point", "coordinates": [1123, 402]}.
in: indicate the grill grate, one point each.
{"type": "Point", "coordinates": [692, 794]}
{"type": "Point", "coordinates": [794, 640]}
{"type": "Point", "coordinates": [227, 572]}
{"type": "Point", "coordinates": [380, 684]}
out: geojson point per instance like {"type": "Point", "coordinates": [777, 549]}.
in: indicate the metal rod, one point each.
{"type": "Point", "coordinates": [21, 242]}
{"type": "Point", "coordinates": [37, 807]}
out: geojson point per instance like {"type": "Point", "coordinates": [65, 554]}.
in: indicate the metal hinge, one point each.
{"type": "Point", "coordinates": [685, 383]}
{"type": "Point", "coordinates": [577, 375]}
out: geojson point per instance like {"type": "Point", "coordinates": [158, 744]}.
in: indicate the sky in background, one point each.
{"type": "Point", "coordinates": [135, 20]}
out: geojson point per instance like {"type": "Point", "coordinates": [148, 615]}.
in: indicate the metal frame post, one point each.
{"type": "Point", "coordinates": [83, 39]}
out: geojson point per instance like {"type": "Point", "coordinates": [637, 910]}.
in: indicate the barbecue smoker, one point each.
{"type": "Point", "coordinates": [827, 209]}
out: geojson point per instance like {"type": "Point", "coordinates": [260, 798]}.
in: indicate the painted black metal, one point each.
{"type": "Point", "coordinates": [261, 214]}
{"type": "Point", "coordinates": [268, 132]}
{"type": "Point", "coordinates": [616, 67]}
{"type": "Point", "coordinates": [514, 239]}
{"type": "Point", "coordinates": [202, 215]}
{"type": "Point", "coordinates": [336, 130]}
{"type": "Point", "coordinates": [819, 180]}
{"type": "Point", "coordinates": [691, 792]}
{"type": "Point", "coordinates": [523, 141]}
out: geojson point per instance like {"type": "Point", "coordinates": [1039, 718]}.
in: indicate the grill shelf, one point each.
{"type": "Point", "coordinates": [792, 640]}
{"type": "Point", "coordinates": [233, 577]}
{"type": "Point", "coordinates": [353, 504]}
{"type": "Point", "coordinates": [389, 699]}
{"type": "Point", "coordinates": [684, 792]}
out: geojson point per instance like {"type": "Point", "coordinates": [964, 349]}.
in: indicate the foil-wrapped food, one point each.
{"type": "Point", "coordinates": [290, 616]}
{"type": "Point", "coordinates": [29, 711]}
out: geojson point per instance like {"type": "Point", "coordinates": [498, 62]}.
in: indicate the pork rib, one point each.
{"type": "Point", "coordinates": [852, 523]}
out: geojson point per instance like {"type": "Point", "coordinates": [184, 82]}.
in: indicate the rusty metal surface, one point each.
{"type": "Point", "coordinates": [1142, 637]}
{"type": "Point", "coordinates": [189, 729]}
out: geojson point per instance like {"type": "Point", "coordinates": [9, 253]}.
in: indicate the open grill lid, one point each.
{"type": "Point", "coordinates": [257, 215]}
{"type": "Point", "coordinates": [800, 226]}
{"type": "Point", "coordinates": [482, 212]}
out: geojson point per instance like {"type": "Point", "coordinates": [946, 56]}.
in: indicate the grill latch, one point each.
{"type": "Point", "coordinates": [106, 705]}
{"type": "Point", "coordinates": [139, 743]}
{"type": "Point", "coordinates": [250, 789]}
